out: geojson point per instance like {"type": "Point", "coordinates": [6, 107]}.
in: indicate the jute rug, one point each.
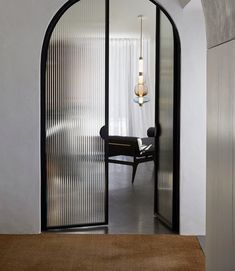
{"type": "Point", "coordinates": [55, 252]}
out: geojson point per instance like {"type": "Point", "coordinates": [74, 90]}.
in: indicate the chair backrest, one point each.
{"type": "Point", "coordinates": [151, 132]}
{"type": "Point", "coordinates": [103, 132]}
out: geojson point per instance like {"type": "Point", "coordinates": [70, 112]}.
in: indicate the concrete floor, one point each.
{"type": "Point", "coordinates": [131, 206]}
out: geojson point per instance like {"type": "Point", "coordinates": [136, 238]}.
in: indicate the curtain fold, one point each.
{"type": "Point", "coordinates": [126, 118]}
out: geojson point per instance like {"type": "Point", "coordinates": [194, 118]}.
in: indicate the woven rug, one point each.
{"type": "Point", "coordinates": [56, 252]}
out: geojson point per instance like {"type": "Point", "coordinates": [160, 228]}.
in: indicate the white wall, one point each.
{"type": "Point", "coordinates": [22, 29]}
{"type": "Point", "coordinates": [191, 26]}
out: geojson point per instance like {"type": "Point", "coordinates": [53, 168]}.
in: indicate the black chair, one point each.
{"type": "Point", "coordinates": [129, 146]}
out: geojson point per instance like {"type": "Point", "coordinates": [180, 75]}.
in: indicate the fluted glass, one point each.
{"type": "Point", "coordinates": [75, 112]}
{"type": "Point", "coordinates": [166, 105]}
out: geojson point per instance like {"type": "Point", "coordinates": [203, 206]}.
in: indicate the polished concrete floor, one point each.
{"type": "Point", "coordinates": [131, 206]}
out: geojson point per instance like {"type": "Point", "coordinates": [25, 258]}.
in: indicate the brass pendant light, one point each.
{"type": "Point", "coordinates": [141, 89]}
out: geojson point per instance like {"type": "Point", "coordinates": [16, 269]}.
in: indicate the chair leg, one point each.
{"type": "Point", "coordinates": [134, 172]}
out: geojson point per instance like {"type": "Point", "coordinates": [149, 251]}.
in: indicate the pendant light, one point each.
{"type": "Point", "coordinates": [141, 89]}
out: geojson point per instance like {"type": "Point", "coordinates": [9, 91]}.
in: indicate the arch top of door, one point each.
{"type": "Point", "coordinates": [46, 44]}
{"type": "Point", "coordinates": [70, 3]}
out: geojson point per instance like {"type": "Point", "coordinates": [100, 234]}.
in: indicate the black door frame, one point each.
{"type": "Point", "coordinates": [175, 226]}
{"type": "Point", "coordinates": [44, 56]}
{"type": "Point", "coordinates": [176, 144]}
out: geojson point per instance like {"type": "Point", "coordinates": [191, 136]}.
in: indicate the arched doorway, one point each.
{"type": "Point", "coordinates": [75, 105]}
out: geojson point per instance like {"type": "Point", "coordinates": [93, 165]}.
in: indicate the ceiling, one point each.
{"type": "Point", "coordinates": [184, 2]}
{"type": "Point", "coordinates": [124, 18]}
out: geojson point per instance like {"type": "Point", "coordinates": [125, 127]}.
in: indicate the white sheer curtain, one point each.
{"type": "Point", "coordinates": [126, 118]}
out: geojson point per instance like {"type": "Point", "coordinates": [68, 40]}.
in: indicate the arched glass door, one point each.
{"type": "Point", "coordinates": [168, 121]}
{"type": "Point", "coordinates": [75, 103]}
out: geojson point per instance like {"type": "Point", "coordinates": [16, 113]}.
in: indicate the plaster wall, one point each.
{"type": "Point", "coordinates": [22, 28]}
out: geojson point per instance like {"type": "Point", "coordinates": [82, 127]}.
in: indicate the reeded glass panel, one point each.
{"type": "Point", "coordinates": [75, 112]}
{"type": "Point", "coordinates": [166, 104]}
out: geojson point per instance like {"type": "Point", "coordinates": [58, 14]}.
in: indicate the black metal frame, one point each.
{"type": "Point", "coordinates": [175, 226]}
{"type": "Point", "coordinates": [157, 126]}
{"type": "Point", "coordinates": [107, 14]}
{"type": "Point", "coordinates": [177, 85]}
{"type": "Point", "coordinates": [44, 55]}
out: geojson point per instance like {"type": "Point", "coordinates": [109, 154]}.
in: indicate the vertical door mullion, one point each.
{"type": "Point", "coordinates": [157, 93]}
{"type": "Point", "coordinates": [107, 14]}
